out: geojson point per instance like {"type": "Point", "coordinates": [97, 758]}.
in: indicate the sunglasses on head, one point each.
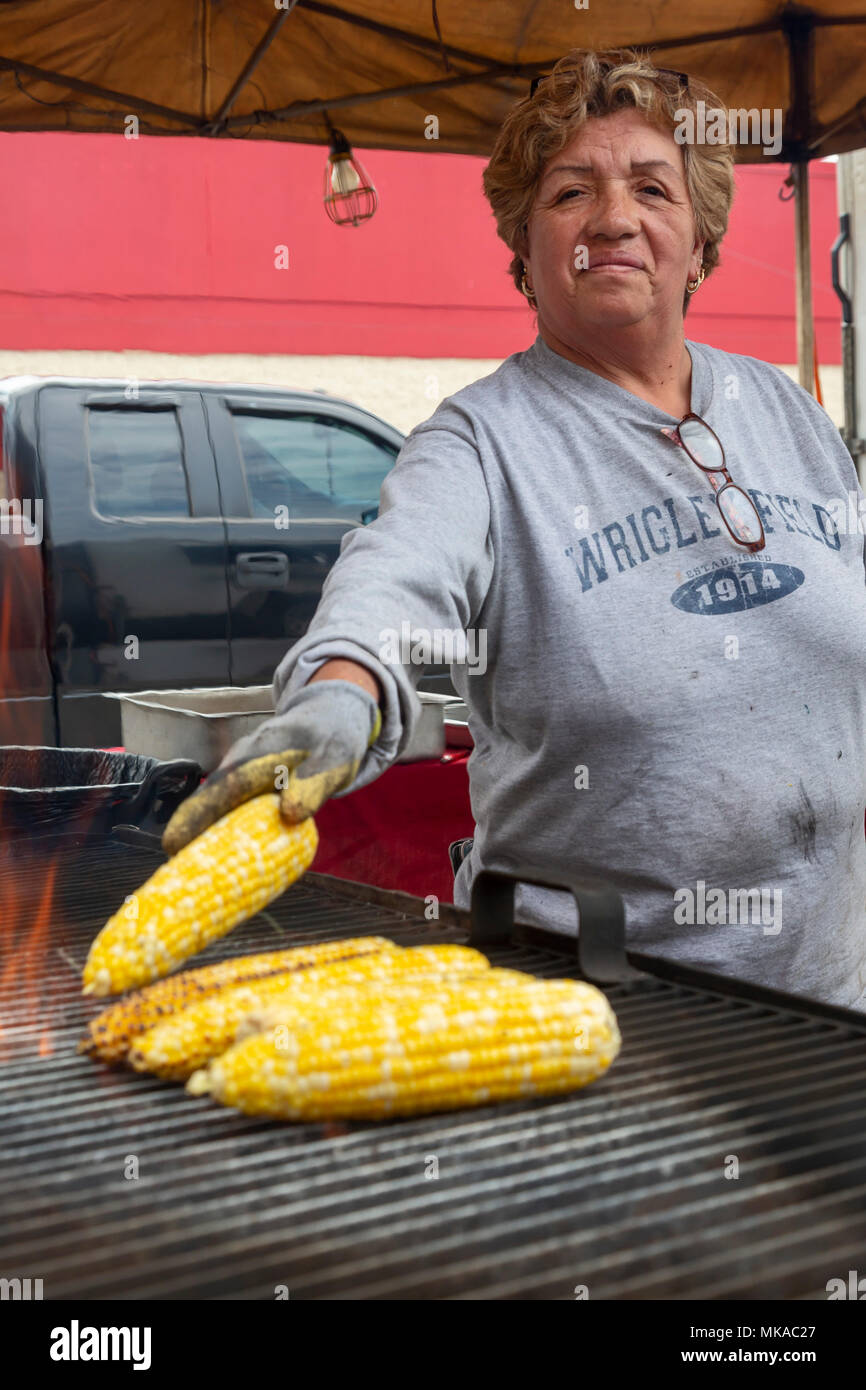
{"type": "Point", "coordinates": [682, 79]}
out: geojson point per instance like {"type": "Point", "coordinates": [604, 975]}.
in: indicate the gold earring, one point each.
{"type": "Point", "coordinates": [526, 289]}
{"type": "Point", "coordinates": [692, 285]}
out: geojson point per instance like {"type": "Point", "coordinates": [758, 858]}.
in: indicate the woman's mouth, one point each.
{"type": "Point", "coordinates": [616, 267]}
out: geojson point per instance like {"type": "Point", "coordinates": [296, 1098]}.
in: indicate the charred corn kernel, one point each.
{"type": "Point", "coordinates": [187, 1040]}
{"type": "Point", "coordinates": [240, 864]}
{"type": "Point", "coordinates": [470, 1047]}
{"type": "Point", "coordinates": [109, 1035]}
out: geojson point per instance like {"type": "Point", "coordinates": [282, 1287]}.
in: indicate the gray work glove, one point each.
{"type": "Point", "coordinates": [308, 751]}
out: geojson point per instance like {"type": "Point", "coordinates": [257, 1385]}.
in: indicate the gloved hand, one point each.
{"type": "Point", "coordinates": [312, 748]}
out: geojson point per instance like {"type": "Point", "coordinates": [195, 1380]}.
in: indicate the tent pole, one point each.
{"type": "Point", "coordinates": [851, 185]}
{"type": "Point", "coordinates": [805, 318]}
{"type": "Point", "coordinates": [798, 27]}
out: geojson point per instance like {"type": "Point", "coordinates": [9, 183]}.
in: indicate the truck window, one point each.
{"type": "Point", "coordinates": [136, 462]}
{"type": "Point", "coordinates": [314, 465]}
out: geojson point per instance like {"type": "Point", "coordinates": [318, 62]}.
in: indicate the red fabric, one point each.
{"type": "Point", "coordinates": [395, 833]}
{"type": "Point", "coordinates": [400, 809]}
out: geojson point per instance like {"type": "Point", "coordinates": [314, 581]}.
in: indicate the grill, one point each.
{"type": "Point", "coordinates": [625, 1188]}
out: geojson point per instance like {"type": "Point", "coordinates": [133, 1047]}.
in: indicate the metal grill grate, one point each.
{"type": "Point", "coordinates": [621, 1187]}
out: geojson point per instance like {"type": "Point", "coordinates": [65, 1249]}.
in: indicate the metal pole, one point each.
{"type": "Point", "coordinates": [849, 385]}
{"type": "Point", "coordinates": [805, 319]}
{"type": "Point", "coordinates": [849, 269]}
{"type": "Point", "coordinates": [798, 27]}
{"type": "Point", "coordinates": [251, 64]}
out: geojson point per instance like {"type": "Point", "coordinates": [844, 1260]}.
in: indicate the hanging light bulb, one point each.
{"type": "Point", "coordinates": [344, 179]}
{"type": "Point", "coordinates": [350, 197]}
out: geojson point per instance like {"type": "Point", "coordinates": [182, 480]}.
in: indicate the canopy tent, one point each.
{"type": "Point", "coordinates": [284, 69]}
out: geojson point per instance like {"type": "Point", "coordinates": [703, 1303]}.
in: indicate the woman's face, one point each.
{"type": "Point", "coordinates": [619, 190]}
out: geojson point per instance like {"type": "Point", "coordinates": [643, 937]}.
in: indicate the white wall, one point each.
{"type": "Point", "coordinates": [403, 390]}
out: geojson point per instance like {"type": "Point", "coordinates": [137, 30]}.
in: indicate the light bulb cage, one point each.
{"type": "Point", "coordinates": [356, 205]}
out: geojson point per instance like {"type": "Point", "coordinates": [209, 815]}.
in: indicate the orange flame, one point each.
{"type": "Point", "coordinates": [5, 628]}
{"type": "Point", "coordinates": [26, 947]}
{"type": "Point", "coordinates": [24, 668]}
{"type": "Point", "coordinates": [24, 927]}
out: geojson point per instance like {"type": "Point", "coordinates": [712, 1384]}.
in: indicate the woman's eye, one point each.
{"type": "Point", "coordinates": [568, 193]}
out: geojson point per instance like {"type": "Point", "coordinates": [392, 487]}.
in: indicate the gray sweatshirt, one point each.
{"type": "Point", "coordinates": [650, 703]}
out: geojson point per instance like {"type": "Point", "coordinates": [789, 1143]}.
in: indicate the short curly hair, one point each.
{"type": "Point", "coordinates": [585, 84]}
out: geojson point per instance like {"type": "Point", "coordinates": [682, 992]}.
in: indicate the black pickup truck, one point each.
{"type": "Point", "coordinates": [165, 534]}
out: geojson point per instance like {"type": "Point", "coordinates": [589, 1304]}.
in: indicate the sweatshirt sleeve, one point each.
{"type": "Point", "coordinates": [427, 561]}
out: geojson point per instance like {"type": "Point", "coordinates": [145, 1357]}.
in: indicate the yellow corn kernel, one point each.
{"type": "Point", "coordinates": [175, 1048]}
{"type": "Point", "coordinates": [325, 1007]}
{"type": "Point", "coordinates": [109, 1035]}
{"type": "Point", "coordinates": [470, 1047]}
{"type": "Point", "coordinates": [241, 863]}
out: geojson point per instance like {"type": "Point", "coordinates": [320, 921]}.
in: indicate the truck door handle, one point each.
{"type": "Point", "coordinates": [263, 569]}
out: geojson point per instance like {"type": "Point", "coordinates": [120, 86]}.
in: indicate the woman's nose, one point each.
{"type": "Point", "coordinates": [611, 213]}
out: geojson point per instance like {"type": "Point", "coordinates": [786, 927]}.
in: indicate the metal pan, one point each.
{"type": "Point", "coordinates": [204, 723]}
{"type": "Point", "coordinates": [46, 791]}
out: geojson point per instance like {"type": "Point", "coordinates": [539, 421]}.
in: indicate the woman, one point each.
{"type": "Point", "coordinates": [675, 690]}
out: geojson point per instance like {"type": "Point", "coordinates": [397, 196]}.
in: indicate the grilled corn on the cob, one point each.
{"type": "Point", "coordinates": [186, 1040]}
{"type": "Point", "coordinates": [109, 1035]}
{"type": "Point", "coordinates": [325, 1008]}
{"type": "Point", "coordinates": [472, 1046]}
{"type": "Point", "coordinates": [236, 867]}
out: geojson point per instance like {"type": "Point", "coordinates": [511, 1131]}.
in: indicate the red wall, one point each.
{"type": "Point", "coordinates": [168, 244]}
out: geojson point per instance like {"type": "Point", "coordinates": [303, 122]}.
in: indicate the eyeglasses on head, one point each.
{"type": "Point", "coordinates": [682, 79]}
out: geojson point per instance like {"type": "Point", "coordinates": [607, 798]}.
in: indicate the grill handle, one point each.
{"type": "Point", "coordinates": [600, 941]}
{"type": "Point", "coordinates": [178, 778]}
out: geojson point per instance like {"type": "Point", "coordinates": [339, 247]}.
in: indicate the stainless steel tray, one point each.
{"type": "Point", "coordinates": [203, 724]}
{"type": "Point", "coordinates": [457, 733]}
